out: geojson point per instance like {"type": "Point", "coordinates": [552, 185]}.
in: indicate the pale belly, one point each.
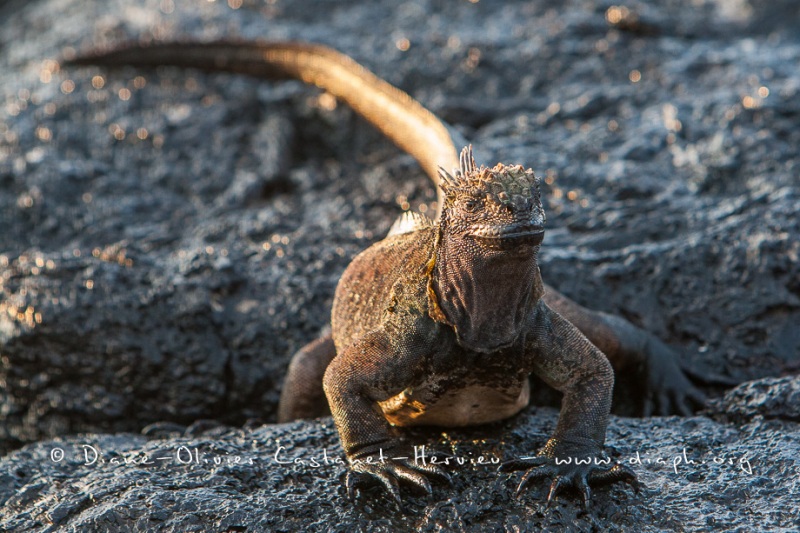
{"type": "Point", "coordinates": [467, 406]}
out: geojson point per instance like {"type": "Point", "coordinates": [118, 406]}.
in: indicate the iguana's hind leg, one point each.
{"type": "Point", "coordinates": [302, 395]}
{"type": "Point", "coordinates": [637, 356]}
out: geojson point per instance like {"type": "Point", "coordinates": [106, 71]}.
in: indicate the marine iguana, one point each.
{"type": "Point", "coordinates": [443, 321]}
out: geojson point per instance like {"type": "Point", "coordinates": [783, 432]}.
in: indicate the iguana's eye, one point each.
{"type": "Point", "coordinates": [470, 205]}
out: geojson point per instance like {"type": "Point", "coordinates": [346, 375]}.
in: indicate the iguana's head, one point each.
{"type": "Point", "coordinates": [496, 208]}
{"type": "Point", "coordinates": [484, 278]}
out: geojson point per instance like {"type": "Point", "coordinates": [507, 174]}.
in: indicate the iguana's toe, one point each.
{"type": "Point", "coordinates": [558, 484]}
{"type": "Point", "coordinates": [413, 478]}
{"type": "Point", "coordinates": [534, 474]}
{"type": "Point", "coordinates": [569, 475]}
{"type": "Point", "coordinates": [388, 473]}
{"type": "Point", "coordinates": [618, 472]}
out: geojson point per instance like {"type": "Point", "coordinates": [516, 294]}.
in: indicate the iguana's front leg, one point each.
{"type": "Point", "coordinates": [568, 362]}
{"type": "Point", "coordinates": [374, 369]}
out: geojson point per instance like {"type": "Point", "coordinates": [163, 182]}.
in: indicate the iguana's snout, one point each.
{"type": "Point", "coordinates": [498, 208]}
{"type": "Point", "coordinates": [509, 238]}
{"type": "Point", "coordinates": [509, 222]}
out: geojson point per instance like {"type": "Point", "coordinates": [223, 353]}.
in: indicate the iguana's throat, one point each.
{"type": "Point", "coordinates": [485, 295]}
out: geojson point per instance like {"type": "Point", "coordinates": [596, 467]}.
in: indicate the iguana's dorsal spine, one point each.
{"type": "Point", "coordinates": [408, 222]}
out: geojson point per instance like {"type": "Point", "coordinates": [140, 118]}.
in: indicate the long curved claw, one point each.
{"type": "Point", "coordinates": [560, 483]}
{"type": "Point", "coordinates": [680, 397]}
{"type": "Point", "coordinates": [586, 492]}
{"type": "Point", "coordinates": [389, 482]}
{"type": "Point", "coordinates": [389, 473]}
{"type": "Point", "coordinates": [576, 475]}
{"type": "Point", "coordinates": [413, 478]}
{"type": "Point", "coordinates": [534, 474]}
{"type": "Point", "coordinates": [556, 486]}
{"type": "Point", "coordinates": [436, 471]}
{"type": "Point", "coordinates": [683, 403]}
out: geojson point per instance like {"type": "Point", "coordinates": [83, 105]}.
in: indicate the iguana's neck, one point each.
{"type": "Point", "coordinates": [484, 294]}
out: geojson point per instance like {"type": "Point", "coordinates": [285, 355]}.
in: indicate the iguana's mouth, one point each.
{"type": "Point", "coordinates": [505, 237]}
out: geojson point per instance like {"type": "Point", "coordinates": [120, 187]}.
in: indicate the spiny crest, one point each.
{"type": "Point", "coordinates": [466, 161]}
{"type": "Point", "coordinates": [503, 183]}
{"type": "Point", "coordinates": [409, 222]}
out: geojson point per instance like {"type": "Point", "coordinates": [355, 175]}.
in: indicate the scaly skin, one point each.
{"type": "Point", "coordinates": [442, 316]}
{"type": "Point", "coordinates": [443, 324]}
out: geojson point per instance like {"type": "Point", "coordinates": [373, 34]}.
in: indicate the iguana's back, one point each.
{"type": "Point", "coordinates": [388, 277]}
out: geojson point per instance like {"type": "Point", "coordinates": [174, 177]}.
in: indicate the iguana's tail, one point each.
{"type": "Point", "coordinates": [396, 114]}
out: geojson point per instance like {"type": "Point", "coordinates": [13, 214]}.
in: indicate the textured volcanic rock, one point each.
{"type": "Point", "coordinates": [697, 474]}
{"type": "Point", "coordinates": [169, 238]}
{"type": "Point", "coordinates": [775, 398]}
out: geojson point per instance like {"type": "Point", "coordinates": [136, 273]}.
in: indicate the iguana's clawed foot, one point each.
{"type": "Point", "coordinates": [667, 388]}
{"type": "Point", "coordinates": [572, 475]}
{"type": "Point", "coordinates": [389, 471]}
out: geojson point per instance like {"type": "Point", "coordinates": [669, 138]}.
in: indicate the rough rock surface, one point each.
{"type": "Point", "coordinates": [776, 398]}
{"type": "Point", "coordinates": [698, 475]}
{"type": "Point", "coordinates": [168, 239]}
